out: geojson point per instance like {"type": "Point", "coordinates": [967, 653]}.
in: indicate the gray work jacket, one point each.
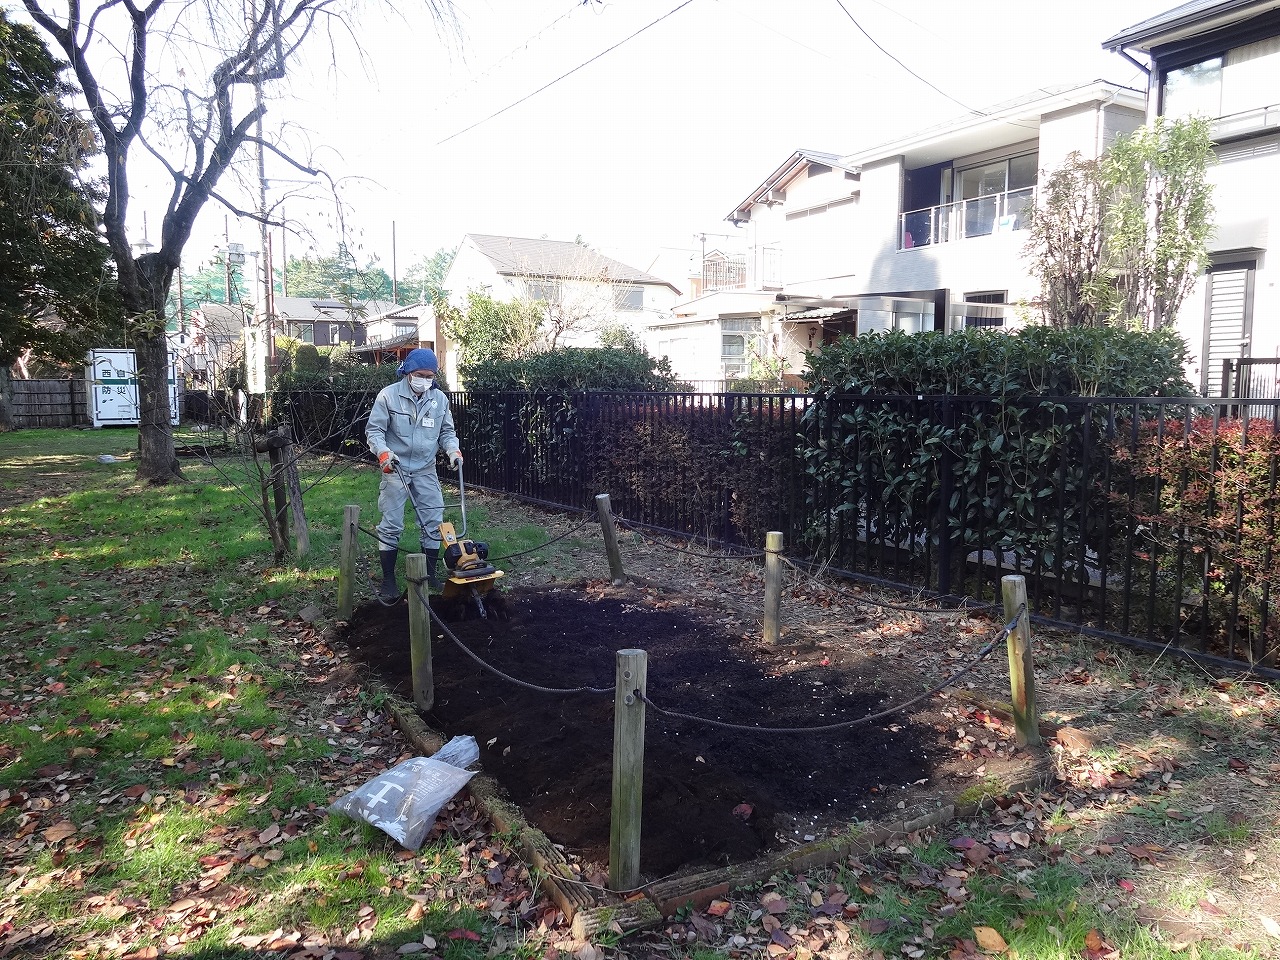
{"type": "Point", "coordinates": [412, 431]}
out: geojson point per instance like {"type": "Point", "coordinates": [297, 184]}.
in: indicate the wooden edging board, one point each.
{"type": "Point", "coordinates": [592, 911]}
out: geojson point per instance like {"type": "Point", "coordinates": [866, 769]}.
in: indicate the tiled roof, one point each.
{"type": "Point", "coordinates": [555, 258]}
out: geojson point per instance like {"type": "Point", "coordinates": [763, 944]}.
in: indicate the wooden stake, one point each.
{"type": "Point", "coordinates": [347, 561]}
{"type": "Point", "coordinates": [628, 768]}
{"type": "Point", "coordinates": [1022, 676]}
{"type": "Point", "coordinates": [420, 668]}
{"type": "Point", "coordinates": [610, 532]}
{"type": "Point", "coordinates": [772, 585]}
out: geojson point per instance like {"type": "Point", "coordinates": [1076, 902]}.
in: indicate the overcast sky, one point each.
{"type": "Point", "coordinates": [655, 141]}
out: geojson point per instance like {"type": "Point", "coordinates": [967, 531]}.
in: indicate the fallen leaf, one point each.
{"type": "Point", "coordinates": [977, 853]}
{"type": "Point", "coordinates": [774, 903]}
{"type": "Point", "coordinates": [60, 831]}
{"type": "Point", "coordinates": [989, 940]}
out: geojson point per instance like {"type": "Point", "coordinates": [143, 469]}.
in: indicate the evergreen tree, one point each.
{"type": "Point", "coordinates": [57, 293]}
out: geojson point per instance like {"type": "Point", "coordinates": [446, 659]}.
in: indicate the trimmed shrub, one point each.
{"type": "Point", "coordinates": [1035, 361]}
{"type": "Point", "coordinates": [1006, 462]}
{"type": "Point", "coordinates": [570, 369]}
{"type": "Point", "coordinates": [1204, 499]}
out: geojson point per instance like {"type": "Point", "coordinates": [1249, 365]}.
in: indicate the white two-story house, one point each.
{"type": "Point", "coordinates": [1221, 59]}
{"type": "Point", "coordinates": [925, 232]}
{"type": "Point", "coordinates": [583, 291]}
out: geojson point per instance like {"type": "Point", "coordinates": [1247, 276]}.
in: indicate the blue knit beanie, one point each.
{"type": "Point", "coordinates": [420, 359]}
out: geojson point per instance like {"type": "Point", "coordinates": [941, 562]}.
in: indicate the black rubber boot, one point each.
{"type": "Point", "coordinates": [389, 591]}
{"type": "Point", "coordinates": [433, 562]}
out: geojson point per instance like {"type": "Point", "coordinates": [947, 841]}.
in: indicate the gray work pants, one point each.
{"type": "Point", "coordinates": [392, 497]}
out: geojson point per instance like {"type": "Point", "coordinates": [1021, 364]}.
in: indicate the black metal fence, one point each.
{"type": "Point", "coordinates": [1251, 378]}
{"type": "Point", "coordinates": [1149, 521]}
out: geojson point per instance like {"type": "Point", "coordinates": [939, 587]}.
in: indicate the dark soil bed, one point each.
{"type": "Point", "coordinates": [712, 795]}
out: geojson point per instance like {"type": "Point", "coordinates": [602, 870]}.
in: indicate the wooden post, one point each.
{"type": "Point", "coordinates": [347, 561]}
{"type": "Point", "coordinates": [1022, 676]}
{"type": "Point", "coordinates": [271, 445]}
{"type": "Point", "coordinates": [301, 535]}
{"type": "Point", "coordinates": [420, 668]}
{"type": "Point", "coordinates": [628, 769]}
{"type": "Point", "coordinates": [610, 532]}
{"type": "Point", "coordinates": [772, 584]}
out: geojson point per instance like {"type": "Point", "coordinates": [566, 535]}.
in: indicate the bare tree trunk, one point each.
{"type": "Point", "coordinates": [157, 456]}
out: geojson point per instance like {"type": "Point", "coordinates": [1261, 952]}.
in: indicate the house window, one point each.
{"type": "Point", "coordinates": [1194, 90]}
{"type": "Point", "coordinates": [335, 333]}
{"type": "Point", "coordinates": [547, 291]}
{"type": "Point", "coordinates": [737, 337]}
{"type": "Point", "coordinates": [306, 333]}
{"type": "Point", "coordinates": [1240, 80]}
{"type": "Point", "coordinates": [980, 317]}
{"type": "Point", "coordinates": [629, 298]}
{"type": "Point", "coordinates": [406, 329]}
{"type": "Point", "coordinates": [997, 194]}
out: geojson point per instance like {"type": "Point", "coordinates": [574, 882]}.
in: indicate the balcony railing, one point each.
{"type": "Point", "coordinates": [727, 274]}
{"type": "Point", "coordinates": [762, 268]}
{"type": "Point", "coordinates": [979, 217]}
{"type": "Point", "coordinates": [1246, 123]}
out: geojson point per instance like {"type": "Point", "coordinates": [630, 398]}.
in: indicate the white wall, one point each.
{"type": "Point", "coordinates": [693, 347]}
{"type": "Point", "coordinates": [1087, 129]}
{"type": "Point", "coordinates": [818, 226]}
{"type": "Point", "coordinates": [1247, 216]}
{"type": "Point", "coordinates": [853, 249]}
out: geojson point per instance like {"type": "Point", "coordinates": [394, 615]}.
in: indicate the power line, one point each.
{"type": "Point", "coordinates": [507, 56]}
{"type": "Point", "coordinates": [569, 73]}
{"type": "Point", "coordinates": [876, 44]}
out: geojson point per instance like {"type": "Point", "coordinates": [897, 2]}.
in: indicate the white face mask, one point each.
{"type": "Point", "coordinates": [420, 384]}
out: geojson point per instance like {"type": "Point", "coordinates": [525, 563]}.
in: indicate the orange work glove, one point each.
{"type": "Point", "coordinates": [388, 460]}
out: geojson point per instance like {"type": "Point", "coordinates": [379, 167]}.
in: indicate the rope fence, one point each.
{"type": "Point", "coordinates": [744, 554]}
{"type": "Point", "coordinates": [424, 599]}
{"type": "Point", "coordinates": [630, 688]}
{"type": "Point", "coordinates": [444, 628]}
{"type": "Point", "coordinates": [846, 724]}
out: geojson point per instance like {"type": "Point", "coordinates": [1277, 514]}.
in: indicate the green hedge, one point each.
{"type": "Point", "coordinates": [1011, 462]}
{"type": "Point", "coordinates": [1033, 361]}
{"type": "Point", "coordinates": [570, 369]}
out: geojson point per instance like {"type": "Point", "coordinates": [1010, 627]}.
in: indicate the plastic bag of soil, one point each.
{"type": "Point", "coordinates": [403, 802]}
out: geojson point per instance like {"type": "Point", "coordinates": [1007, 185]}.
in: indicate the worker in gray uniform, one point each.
{"type": "Point", "coordinates": [410, 421]}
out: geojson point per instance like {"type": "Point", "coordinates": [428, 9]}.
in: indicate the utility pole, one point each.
{"type": "Point", "coordinates": [264, 237]}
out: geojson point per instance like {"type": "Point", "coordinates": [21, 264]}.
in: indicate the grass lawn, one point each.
{"type": "Point", "coordinates": [175, 725]}
{"type": "Point", "coordinates": [176, 721]}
